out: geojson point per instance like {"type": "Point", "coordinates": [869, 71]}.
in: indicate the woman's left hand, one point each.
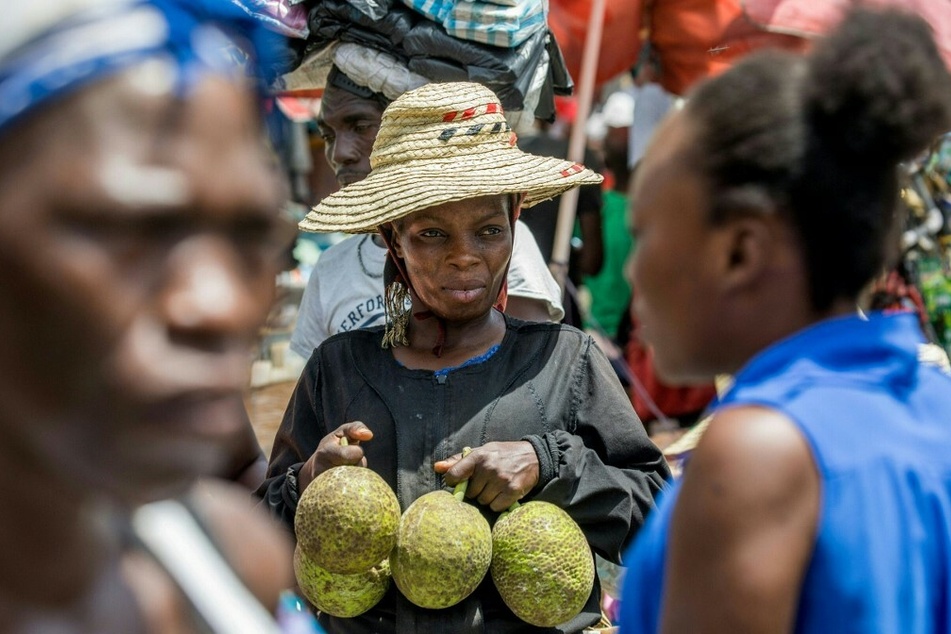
{"type": "Point", "coordinates": [499, 473]}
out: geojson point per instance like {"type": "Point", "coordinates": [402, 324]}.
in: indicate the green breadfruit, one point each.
{"type": "Point", "coordinates": [345, 596]}
{"type": "Point", "coordinates": [443, 550]}
{"type": "Point", "coordinates": [347, 519]}
{"type": "Point", "coordinates": [541, 563]}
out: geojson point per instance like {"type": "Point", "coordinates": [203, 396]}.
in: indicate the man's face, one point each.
{"type": "Point", "coordinates": [348, 124]}
{"type": "Point", "coordinates": [138, 241]}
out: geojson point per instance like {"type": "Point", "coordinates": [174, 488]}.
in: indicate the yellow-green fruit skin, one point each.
{"type": "Point", "coordinates": [542, 564]}
{"type": "Point", "coordinates": [347, 519]}
{"type": "Point", "coordinates": [442, 552]}
{"type": "Point", "coordinates": [344, 596]}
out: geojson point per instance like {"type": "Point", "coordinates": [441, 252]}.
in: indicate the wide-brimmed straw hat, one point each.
{"type": "Point", "coordinates": [440, 143]}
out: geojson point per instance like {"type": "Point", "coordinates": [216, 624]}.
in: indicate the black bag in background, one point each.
{"type": "Point", "coordinates": [338, 20]}
{"type": "Point", "coordinates": [428, 50]}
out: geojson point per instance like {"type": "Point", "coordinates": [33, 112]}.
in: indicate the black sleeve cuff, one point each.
{"type": "Point", "coordinates": [290, 491]}
{"type": "Point", "coordinates": [547, 463]}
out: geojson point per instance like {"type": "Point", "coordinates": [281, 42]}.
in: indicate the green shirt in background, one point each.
{"type": "Point", "coordinates": [610, 292]}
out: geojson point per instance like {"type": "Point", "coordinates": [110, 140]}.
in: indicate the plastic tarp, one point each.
{"type": "Point", "coordinates": [525, 77]}
{"type": "Point", "coordinates": [507, 23]}
{"type": "Point", "coordinates": [378, 71]}
{"type": "Point", "coordinates": [331, 21]}
{"type": "Point", "coordinates": [699, 38]}
{"type": "Point", "coordinates": [507, 71]}
{"type": "Point", "coordinates": [281, 16]}
{"type": "Point", "coordinates": [693, 39]}
{"type": "Point", "coordinates": [620, 44]}
{"type": "Point", "coordinates": [375, 9]}
{"type": "Point", "coordinates": [810, 18]}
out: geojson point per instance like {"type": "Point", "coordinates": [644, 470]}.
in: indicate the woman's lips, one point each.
{"type": "Point", "coordinates": [466, 295]}
{"type": "Point", "coordinates": [197, 414]}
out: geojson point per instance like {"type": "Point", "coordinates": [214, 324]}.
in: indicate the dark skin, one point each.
{"type": "Point", "coordinates": [145, 301]}
{"type": "Point", "coordinates": [456, 256]}
{"type": "Point", "coordinates": [247, 465]}
{"type": "Point", "coordinates": [348, 124]}
{"type": "Point", "coordinates": [615, 157]}
{"type": "Point", "coordinates": [744, 527]}
{"type": "Point", "coordinates": [590, 256]}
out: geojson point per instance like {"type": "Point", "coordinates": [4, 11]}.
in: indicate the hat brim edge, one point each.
{"type": "Point", "coordinates": [387, 195]}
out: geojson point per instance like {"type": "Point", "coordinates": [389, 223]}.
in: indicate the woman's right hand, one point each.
{"type": "Point", "coordinates": [333, 452]}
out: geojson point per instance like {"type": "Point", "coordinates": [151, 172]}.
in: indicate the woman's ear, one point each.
{"type": "Point", "coordinates": [391, 236]}
{"type": "Point", "coordinates": [515, 206]}
{"type": "Point", "coordinates": [758, 250]}
{"type": "Point", "coordinates": [750, 237]}
{"type": "Point", "coordinates": [747, 248]}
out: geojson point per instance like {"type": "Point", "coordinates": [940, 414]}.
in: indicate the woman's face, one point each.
{"type": "Point", "coordinates": [457, 255]}
{"type": "Point", "coordinates": [673, 282]}
{"type": "Point", "coordinates": [138, 242]}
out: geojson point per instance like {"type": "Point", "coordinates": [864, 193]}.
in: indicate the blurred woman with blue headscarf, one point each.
{"type": "Point", "coordinates": [139, 229]}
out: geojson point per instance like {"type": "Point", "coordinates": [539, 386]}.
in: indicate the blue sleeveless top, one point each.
{"type": "Point", "coordinates": [879, 426]}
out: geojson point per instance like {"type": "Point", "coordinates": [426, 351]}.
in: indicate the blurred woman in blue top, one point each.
{"type": "Point", "coordinates": [819, 499]}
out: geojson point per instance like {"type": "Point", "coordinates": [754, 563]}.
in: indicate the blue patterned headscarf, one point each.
{"type": "Point", "coordinates": [51, 48]}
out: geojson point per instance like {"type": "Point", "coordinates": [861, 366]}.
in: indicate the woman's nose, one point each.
{"type": "Point", "coordinates": [463, 252]}
{"type": "Point", "coordinates": [209, 296]}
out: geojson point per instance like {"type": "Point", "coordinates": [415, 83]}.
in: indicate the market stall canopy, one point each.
{"type": "Point", "coordinates": [808, 18]}
{"type": "Point", "coordinates": [693, 39]}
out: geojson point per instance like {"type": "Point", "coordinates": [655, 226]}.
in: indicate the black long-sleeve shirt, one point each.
{"type": "Point", "coordinates": [547, 383]}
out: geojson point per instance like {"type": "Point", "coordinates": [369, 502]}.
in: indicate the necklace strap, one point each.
{"type": "Point", "coordinates": [363, 265]}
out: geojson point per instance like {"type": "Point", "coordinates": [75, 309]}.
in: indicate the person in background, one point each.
{"type": "Point", "coordinates": [819, 497]}
{"type": "Point", "coordinates": [652, 104]}
{"type": "Point", "coordinates": [610, 293]}
{"type": "Point", "coordinates": [656, 403]}
{"type": "Point", "coordinates": [538, 402]}
{"type": "Point", "coordinates": [586, 255]}
{"type": "Point", "coordinates": [139, 227]}
{"type": "Point", "coordinates": [345, 289]}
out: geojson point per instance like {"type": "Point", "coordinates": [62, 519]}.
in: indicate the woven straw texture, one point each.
{"type": "Point", "coordinates": [440, 143]}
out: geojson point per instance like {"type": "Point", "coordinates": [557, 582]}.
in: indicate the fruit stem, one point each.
{"type": "Point", "coordinates": [459, 491]}
{"type": "Point", "coordinates": [344, 442]}
{"type": "Point", "coordinates": [514, 506]}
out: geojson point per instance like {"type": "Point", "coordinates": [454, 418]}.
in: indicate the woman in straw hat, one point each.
{"type": "Point", "coordinates": [819, 497]}
{"type": "Point", "coordinates": [344, 291]}
{"type": "Point", "coordinates": [539, 402]}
